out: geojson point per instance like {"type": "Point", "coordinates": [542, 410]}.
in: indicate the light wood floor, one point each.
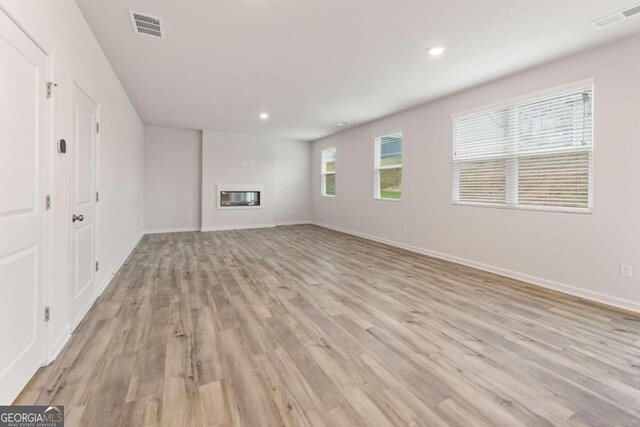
{"type": "Point", "coordinates": [304, 326]}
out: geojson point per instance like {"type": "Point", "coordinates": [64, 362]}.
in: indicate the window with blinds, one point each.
{"type": "Point", "coordinates": [329, 172]}
{"type": "Point", "coordinates": [388, 167]}
{"type": "Point", "coordinates": [535, 153]}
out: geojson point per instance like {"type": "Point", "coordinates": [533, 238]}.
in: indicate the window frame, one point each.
{"type": "Point", "coordinates": [377, 167]}
{"type": "Point", "coordinates": [324, 173]}
{"type": "Point", "coordinates": [512, 169]}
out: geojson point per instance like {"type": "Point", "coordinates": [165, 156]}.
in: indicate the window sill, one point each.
{"type": "Point", "coordinates": [328, 196]}
{"type": "Point", "coordinates": [384, 199]}
{"type": "Point", "coordinates": [587, 211]}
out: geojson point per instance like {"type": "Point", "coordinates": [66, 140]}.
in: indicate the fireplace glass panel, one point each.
{"type": "Point", "coordinates": [239, 198]}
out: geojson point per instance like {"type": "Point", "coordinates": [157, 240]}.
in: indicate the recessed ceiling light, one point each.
{"type": "Point", "coordinates": [436, 50]}
{"type": "Point", "coordinates": [343, 123]}
{"type": "Point", "coordinates": [264, 116]}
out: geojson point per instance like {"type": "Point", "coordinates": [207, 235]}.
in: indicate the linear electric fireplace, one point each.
{"type": "Point", "coordinates": [239, 196]}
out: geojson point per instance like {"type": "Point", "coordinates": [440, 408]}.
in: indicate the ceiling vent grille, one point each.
{"type": "Point", "coordinates": [146, 24]}
{"type": "Point", "coordinates": [616, 17]}
{"type": "Point", "coordinates": [631, 11]}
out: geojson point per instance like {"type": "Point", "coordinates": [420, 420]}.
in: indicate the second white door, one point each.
{"type": "Point", "coordinates": [83, 204]}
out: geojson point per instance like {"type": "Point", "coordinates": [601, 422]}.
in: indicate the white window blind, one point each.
{"type": "Point", "coordinates": [329, 172]}
{"type": "Point", "coordinates": [534, 153]}
{"type": "Point", "coordinates": [388, 167]}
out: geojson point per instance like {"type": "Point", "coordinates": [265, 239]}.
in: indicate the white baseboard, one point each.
{"type": "Point", "coordinates": [237, 227]}
{"type": "Point", "coordinates": [109, 277]}
{"type": "Point", "coordinates": [308, 221]}
{"type": "Point", "coordinates": [171, 230]}
{"type": "Point", "coordinates": [231, 227]}
{"type": "Point", "coordinates": [74, 324]}
{"type": "Point", "coordinates": [57, 347]}
{"type": "Point", "coordinates": [538, 281]}
{"type": "Point", "coordinates": [248, 227]}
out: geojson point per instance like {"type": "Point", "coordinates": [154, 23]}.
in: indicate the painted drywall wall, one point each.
{"type": "Point", "coordinates": [75, 56]}
{"type": "Point", "coordinates": [575, 253]}
{"type": "Point", "coordinates": [281, 166]}
{"type": "Point", "coordinates": [172, 177]}
{"type": "Point", "coordinates": [292, 181]}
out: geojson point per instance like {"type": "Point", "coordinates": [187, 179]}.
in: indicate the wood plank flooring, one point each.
{"type": "Point", "coordinates": [303, 326]}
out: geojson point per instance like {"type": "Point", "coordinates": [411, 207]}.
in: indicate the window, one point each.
{"type": "Point", "coordinates": [534, 154]}
{"type": "Point", "coordinates": [388, 167]}
{"type": "Point", "coordinates": [329, 172]}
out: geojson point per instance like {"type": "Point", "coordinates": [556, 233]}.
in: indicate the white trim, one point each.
{"type": "Point", "coordinates": [66, 335]}
{"type": "Point", "coordinates": [526, 207]}
{"type": "Point", "coordinates": [109, 277]}
{"type": "Point", "coordinates": [41, 42]}
{"type": "Point", "coordinates": [377, 167]}
{"type": "Point", "coordinates": [324, 173]}
{"type": "Point", "coordinates": [49, 230]}
{"type": "Point", "coordinates": [526, 98]}
{"type": "Point", "coordinates": [383, 168]}
{"type": "Point", "coordinates": [75, 324]}
{"type": "Point", "coordinates": [236, 227]}
{"type": "Point", "coordinates": [170, 230]}
{"type": "Point", "coordinates": [390, 133]}
{"type": "Point", "coordinates": [57, 347]}
{"type": "Point", "coordinates": [512, 156]}
{"type": "Point", "coordinates": [387, 199]}
{"type": "Point", "coordinates": [306, 221]}
{"type": "Point", "coordinates": [533, 280]}
{"type": "Point", "coordinates": [232, 227]}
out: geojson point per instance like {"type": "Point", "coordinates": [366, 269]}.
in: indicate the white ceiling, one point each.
{"type": "Point", "coordinates": [314, 63]}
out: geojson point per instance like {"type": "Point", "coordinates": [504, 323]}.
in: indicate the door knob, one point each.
{"type": "Point", "coordinates": [77, 217]}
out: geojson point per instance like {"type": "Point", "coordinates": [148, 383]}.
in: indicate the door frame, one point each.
{"type": "Point", "coordinates": [75, 82]}
{"type": "Point", "coordinates": [49, 173]}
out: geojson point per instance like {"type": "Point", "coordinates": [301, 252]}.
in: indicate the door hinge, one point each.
{"type": "Point", "coordinates": [47, 202]}
{"type": "Point", "coordinates": [50, 86]}
{"type": "Point", "coordinates": [97, 266]}
{"type": "Point", "coordinates": [97, 127]}
{"type": "Point", "coordinates": [97, 196]}
{"type": "Point", "coordinates": [47, 314]}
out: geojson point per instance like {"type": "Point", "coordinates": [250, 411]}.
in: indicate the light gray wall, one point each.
{"type": "Point", "coordinates": [76, 56]}
{"type": "Point", "coordinates": [282, 166]}
{"type": "Point", "coordinates": [293, 181]}
{"type": "Point", "coordinates": [172, 176]}
{"type": "Point", "coordinates": [576, 253]}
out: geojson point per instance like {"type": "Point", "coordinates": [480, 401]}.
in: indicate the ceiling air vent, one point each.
{"type": "Point", "coordinates": [146, 24]}
{"type": "Point", "coordinates": [631, 11]}
{"type": "Point", "coordinates": [615, 17]}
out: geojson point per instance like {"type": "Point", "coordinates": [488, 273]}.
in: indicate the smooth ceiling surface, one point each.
{"type": "Point", "coordinates": [314, 63]}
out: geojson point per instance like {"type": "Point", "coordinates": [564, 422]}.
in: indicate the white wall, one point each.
{"type": "Point", "coordinates": [172, 177]}
{"type": "Point", "coordinates": [75, 55]}
{"type": "Point", "coordinates": [580, 254]}
{"type": "Point", "coordinates": [282, 166]}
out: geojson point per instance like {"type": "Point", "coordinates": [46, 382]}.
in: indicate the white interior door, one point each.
{"type": "Point", "coordinates": [82, 149]}
{"type": "Point", "coordinates": [23, 131]}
